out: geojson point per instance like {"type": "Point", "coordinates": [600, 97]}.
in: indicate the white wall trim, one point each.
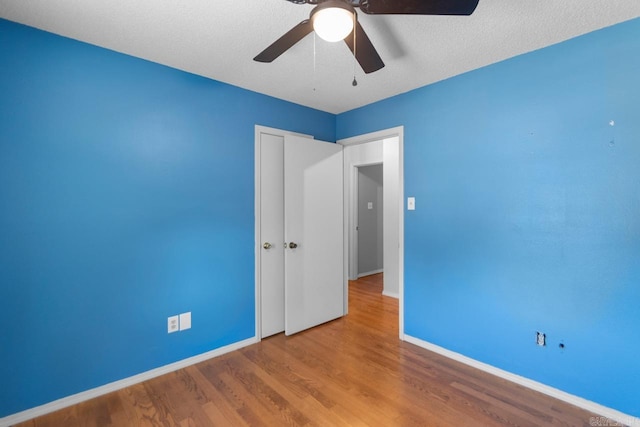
{"type": "Point", "coordinates": [373, 136]}
{"type": "Point", "coordinates": [369, 273]}
{"type": "Point", "coordinates": [120, 384]}
{"type": "Point", "coordinates": [597, 409]}
{"type": "Point", "coordinates": [391, 294]}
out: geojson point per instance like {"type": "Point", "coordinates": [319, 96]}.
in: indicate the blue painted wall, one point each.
{"type": "Point", "coordinates": [528, 213]}
{"type": "Point", "coordinates": [126, 196]}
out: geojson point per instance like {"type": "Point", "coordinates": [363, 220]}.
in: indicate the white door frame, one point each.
{"type": "Point", "coordinates": [350, 234]}
{"type": "Point", "coordinates": [360, 139]}
{"type": "Point", "coordinates": [259, 130]}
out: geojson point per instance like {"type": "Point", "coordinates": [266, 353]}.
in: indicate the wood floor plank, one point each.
{"type": "Point", "coordinates": [232, 394]}
{"type": "Point", "coordinates": [312, 395]}
{"type": "Point", "coordinates": [353, 371]}
{"type": "Point", "coordinates": [272, 401]}
{"type": "Point", "coordinates": [179, 395]}
{"type": "Point", "coordinates": [305, 404]}
{"type": "Point", "coordinates": [218, 409]}
{"type": "Point", "coordinates": [120, 415]}
{"type": "Point", "coordinates": [334, 382]}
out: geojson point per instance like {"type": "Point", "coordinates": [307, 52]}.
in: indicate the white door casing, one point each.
{"type": "Point", "coordinates": [393, 209]}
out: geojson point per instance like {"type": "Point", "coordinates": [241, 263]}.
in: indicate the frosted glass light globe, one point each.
{"type": "Point", "coordinates": [333, 23]}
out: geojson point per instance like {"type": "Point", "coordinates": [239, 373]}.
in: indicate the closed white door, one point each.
{"type": "Point", "coordinates": [300, 202]}
{"type": "Point", "coordinates": [271, 268]}
{"type": "Point", "coordinates": [314, 232]}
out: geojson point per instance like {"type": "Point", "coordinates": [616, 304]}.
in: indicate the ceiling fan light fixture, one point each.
{"type": "Point", "coordinates": [333, 20]}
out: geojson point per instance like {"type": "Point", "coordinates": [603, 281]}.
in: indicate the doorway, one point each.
{"type": "Point", "coordinates": [370, 215]}
{"type": "Point", "coordinates": [389, 142]}
{"type": "Point", "coordinates": [384, 147]}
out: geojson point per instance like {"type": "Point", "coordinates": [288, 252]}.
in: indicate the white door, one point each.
{"type": "Point", "coordinates": [304, 287]}
{"type": "Point", "coordinates": [271, 268]}
{"type": "Point", "coordinates": [313, 201]}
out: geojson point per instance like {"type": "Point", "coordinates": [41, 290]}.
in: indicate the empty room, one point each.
{"type": "Point", "coordinates": [179, 213]}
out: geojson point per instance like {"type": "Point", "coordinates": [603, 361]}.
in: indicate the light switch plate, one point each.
{"type": "Point", "coordinates": [411, 203]}
{"type": "Point", "coordinates": [369, 205]}
{"type": "Point", "coordinates": [185, 321]}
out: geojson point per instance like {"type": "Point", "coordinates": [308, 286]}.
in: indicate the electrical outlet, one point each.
{"type": "Point", "coordinates": [541, 339]}
{"type": "Point", "coordinates": [185, 321]}
{"type": "Point", "coordinates": [173, 324]}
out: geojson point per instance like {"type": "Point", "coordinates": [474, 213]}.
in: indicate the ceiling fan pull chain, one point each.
{"type": "Point", "coordinates": [314, 61]}
{"type": "Point", "coordinates": [355, 49]}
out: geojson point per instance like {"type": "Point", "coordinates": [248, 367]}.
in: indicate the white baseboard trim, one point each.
{"type": "Point", "coordinates": [391, 294]}
{"type": "Point", "coordinates": [598, 410]}
{"type": "Point", "coordinates": [120, 384]}
{"type": "Point", "coordinates": [385, 293]}
{"type": "Point", "coordinates": [369, 273]}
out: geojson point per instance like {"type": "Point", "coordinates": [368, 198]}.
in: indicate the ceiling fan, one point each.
{"type": "Point", "coordinates": [335, 20]}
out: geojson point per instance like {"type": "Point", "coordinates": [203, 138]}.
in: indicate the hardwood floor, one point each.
{"type": "Point", "coordinates": [350, 372]}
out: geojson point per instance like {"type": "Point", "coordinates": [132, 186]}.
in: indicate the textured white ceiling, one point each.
{"type": "Point", "coordinates": [219, 38]}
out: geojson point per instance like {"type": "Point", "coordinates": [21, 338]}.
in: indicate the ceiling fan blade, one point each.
{"type": "Point", "coordinates": [419, 7]}
{"type": "Point", "coordinates": [365, 53]}
{"type": "Point", "coordinates": [285, 42]}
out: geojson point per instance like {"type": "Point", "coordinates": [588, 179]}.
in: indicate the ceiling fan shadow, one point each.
{"type": "Point", "coordinates": [391, 42]}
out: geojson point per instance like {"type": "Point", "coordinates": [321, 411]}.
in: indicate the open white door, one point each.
{"type": "Point", "coordinates": [313, 199]}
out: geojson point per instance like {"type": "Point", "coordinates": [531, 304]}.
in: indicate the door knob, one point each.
{"type": "Point", "coordinates": [266, 245]}
{"type": "Point", "coordinates": [293, 245]}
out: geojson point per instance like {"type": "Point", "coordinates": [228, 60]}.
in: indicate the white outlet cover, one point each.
{"type": "Point", "coordinates": [369, 205]}
{"type": "Point", "coordinates": [185, 321]}
{"type": "Point", "coordinates": [173, 324]}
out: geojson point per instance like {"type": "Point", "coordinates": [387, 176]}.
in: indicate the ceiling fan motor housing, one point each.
{"type": "Point", "coordinates": [332, 3]}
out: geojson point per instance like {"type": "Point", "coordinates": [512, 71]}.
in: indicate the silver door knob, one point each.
{"type": "Point", "coordinates": [293, 245]}
{"type": "Point", "coordinates": [266, 245]}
